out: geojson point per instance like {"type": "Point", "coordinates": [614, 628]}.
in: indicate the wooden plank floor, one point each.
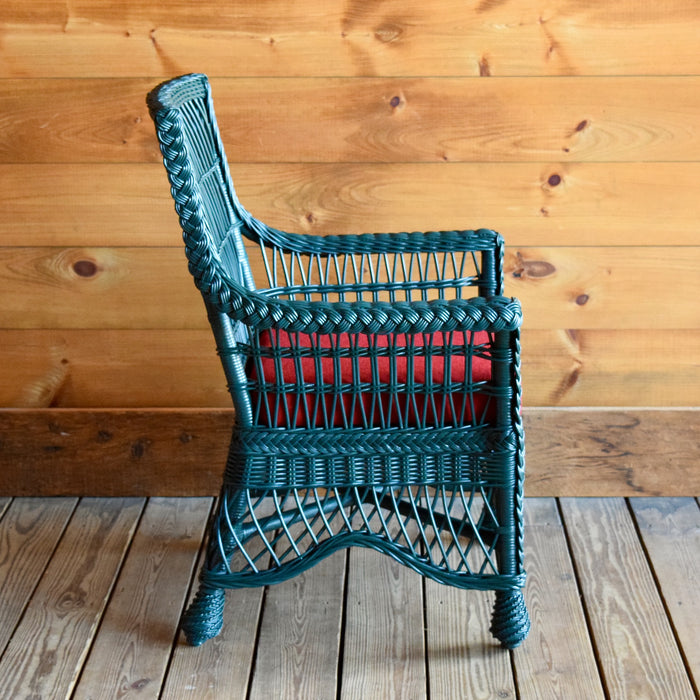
{"type": "Point", "coordinates": [92, 590]}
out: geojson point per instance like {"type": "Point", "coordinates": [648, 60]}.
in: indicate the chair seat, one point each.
{"type": "Point", "coordinates": [401, 380]}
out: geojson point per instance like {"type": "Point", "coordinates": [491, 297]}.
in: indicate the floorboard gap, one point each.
{"type": "Point", "coordinates": [664, 603]}
{"type": "Point", "coordinates": [584, 604]}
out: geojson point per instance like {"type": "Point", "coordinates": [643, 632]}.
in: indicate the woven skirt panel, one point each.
{"type": "Point", "coordinates": [301, 458]}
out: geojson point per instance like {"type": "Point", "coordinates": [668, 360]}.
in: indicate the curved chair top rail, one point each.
{"type": "Point", "coordinates": [214, 223]}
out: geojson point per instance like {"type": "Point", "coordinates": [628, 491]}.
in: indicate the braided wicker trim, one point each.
{"type": "Point", "coordinates": [255, 310]}
{"type": "Point", "coordinates": [484, 582]}
{"type": "Point", "coordinates": [264, 458]}
{"type": "Point", "coordinates": [399, 242]}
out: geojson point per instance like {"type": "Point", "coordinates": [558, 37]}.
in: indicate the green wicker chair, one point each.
{"type": "Point", "coordinates": [375, 380]}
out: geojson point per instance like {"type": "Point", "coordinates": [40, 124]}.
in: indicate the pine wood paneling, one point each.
{"type": "Point", "coordinates": [287, 120]}
{"type": "Point", "coordinates": [571, 128]}
{"type": "Point", "coordinates": [140, 288]}
{"type": "Point", "coordinates": [98, 288]}
{"type": "Point", "coordinates": [146, 368]}
{"type": "Point", "coordinates": [392, 38]}
{"type": "Point", "coordinates": [111, 368]}
{"type": "Point", "coordinates": [611, 368]}
{"type": "Point", "coordinates": [604, 287]}
{"type": "Point", "coordinates": [621, 204]}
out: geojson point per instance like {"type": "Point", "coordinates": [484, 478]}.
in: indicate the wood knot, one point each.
{"type": "Point", "coordinates": [73, 599]}
{"type": "Point", "coordinates": [388, 33]}
{"type": "Point", "coordinates": [554, 179]}
{"type": "Point", "coordinates": [582, 299]}
{"type": "Point", "coordinates": [85, 268]}
{"type": "Point", "coordinates": [533, 269]}
{"type": "Point", "coordinates": [484, 67]}
{"type": "Point", "coordinates": [139, 448]}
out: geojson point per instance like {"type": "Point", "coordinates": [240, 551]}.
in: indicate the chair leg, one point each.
{"type": "Point", "coordinates": [204, 617]}
{"type": "Point", "coordinates": [510, 622]}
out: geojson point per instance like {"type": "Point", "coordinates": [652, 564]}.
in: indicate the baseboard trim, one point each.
{"type": "Point", "coordinates": [181, 452]}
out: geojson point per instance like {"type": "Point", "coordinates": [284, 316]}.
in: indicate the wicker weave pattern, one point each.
{"type": "Point", "coordinates": [264, 458]}
{"type": "Point", "coordinates": [376, 384]}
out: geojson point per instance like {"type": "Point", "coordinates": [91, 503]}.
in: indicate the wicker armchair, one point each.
{"type": "Point", "coordinates": [375, 380]}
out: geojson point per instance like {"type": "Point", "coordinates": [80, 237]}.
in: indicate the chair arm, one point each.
{"type": "Point", "coordinates": [414, 242]}
{"type": "Point", "coordinates": [489, 243]}
{"type": "Point", "coordinates": [259, 311]}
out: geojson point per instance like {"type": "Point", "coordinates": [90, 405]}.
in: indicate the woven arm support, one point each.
{"type": "Point", "coordinates": [413, 242]}
{"type": "Point", "coordinates": [258, 311]}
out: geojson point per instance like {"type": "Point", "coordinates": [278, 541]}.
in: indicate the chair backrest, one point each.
{"type": "Point", "coordinates": [210, 215]}
{"type": "Point", "coordinates": [194, 157]}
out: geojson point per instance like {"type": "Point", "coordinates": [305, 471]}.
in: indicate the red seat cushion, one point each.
{"type": "Point", "coordinates": [423, 393]}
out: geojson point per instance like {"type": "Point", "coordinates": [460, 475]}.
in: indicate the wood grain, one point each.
{"type": "Point", "coordinates": [174, 453]}
{"type": "Point", "coordinates": [111, 367]}
{"type": "Point", "coordinates": [95, 287]}
{"type": "Point", "coordinates": [383, 652]}
{"type": "Point", "coordinates": [137, 288]}
{"type": "Point", "coordinates": [463, 660]}
{"type": "Point", "coordinates": [299, 640]}
{"type": "Point", "coordinates": [220, 668]}
{"type": "Point", "coordinates": [353, 120]}
{"type": "Point", "coordinates": [583, 287]}
{"type": "Point", "coordinates": [612, 452]}
{"type": "Point", "coordinates": [670, 530]}
{"type": "Point", "coordinates": [29, 532]}
{"type": "Point", "coordinates": [557, 656]}
{"type": "Point", "coordinates": [597, 204]}
{"type": "Point", "coordinates": [352, 117]}
{"type": "Point", "coordinates": [638, 655]}
{"type": "Point", "coordinates": [129, 657]}
{"type": "Point", "coordinates": [51, 642]}
{"type": "Point", "coordinates": [157, 453]}
{"type": "Point", "coordinates": [396, 38]}
{"type": "Point", "coordinates": [580, 368]}
{"type": "Point", "coordinates": [179, 369]}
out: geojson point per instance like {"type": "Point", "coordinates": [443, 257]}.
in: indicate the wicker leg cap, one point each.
{"type": "Point", "coordinates": [510, 623]}
{"type": "Point", "coordinates": [205, 616]}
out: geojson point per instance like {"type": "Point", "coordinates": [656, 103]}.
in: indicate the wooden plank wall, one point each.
{"type": "Point", "coordinates": [571, 127]}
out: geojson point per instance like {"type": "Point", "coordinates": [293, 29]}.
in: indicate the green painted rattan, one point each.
{"type": "Point", "coordinates": [424, 467]}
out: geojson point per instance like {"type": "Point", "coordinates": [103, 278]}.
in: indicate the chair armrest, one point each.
{"type": "Point", "coordinates": [414, 242]}
{"type": "Point", "coordinates": [258, 311]}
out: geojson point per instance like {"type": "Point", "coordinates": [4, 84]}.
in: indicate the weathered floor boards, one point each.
{"type": "Point", "coordinates": [92, 590]}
